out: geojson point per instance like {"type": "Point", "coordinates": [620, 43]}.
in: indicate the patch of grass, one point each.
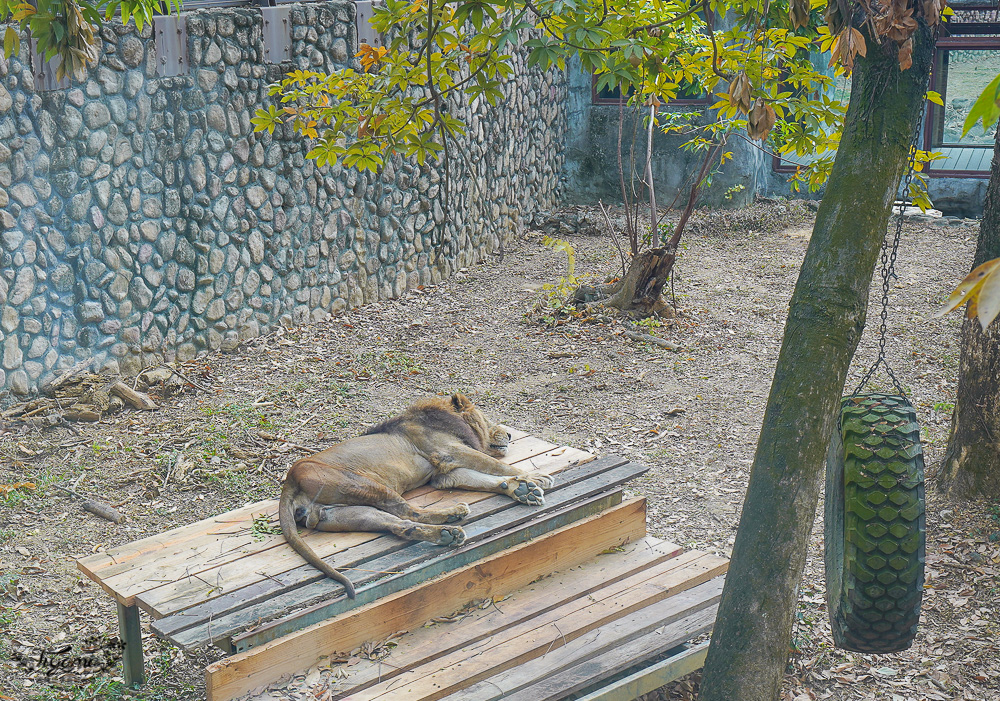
{"type": "Point", "coordinates": [341, 389]}
{"type": "Point", "coordinates": [14, 498]}
{"type": "Point", "coordinates": [943, 406]}
{"type": "Point", "coordinates": [389, 363]}
{"type": "Point", "coordinates": [107, 688]}
{"type": "Point", "coordinates": [244, 414]}
{"type": "Point", "coordinates": [7, 618]}
{"type": "Point", "coordinates": [657, 454]}
{"type": "Point", "coordinates": [241, 483]}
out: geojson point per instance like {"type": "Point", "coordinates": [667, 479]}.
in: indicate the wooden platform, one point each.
{"type": "Point", "coordinates": [217, 581]}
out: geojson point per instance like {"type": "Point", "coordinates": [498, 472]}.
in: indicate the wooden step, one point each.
{"type": "Point", "coordinates": [501, 523]}
{"type": "Point", "coordinates": [538, 599]}
{"type": "Point", "coordinates": [408, 609]}
{"type": "Point", "coordinates": [610, 649]}
{"type": "Point", "coordinates": [648, 677]}
{"type": "Point", "coordinates": [535, 651]}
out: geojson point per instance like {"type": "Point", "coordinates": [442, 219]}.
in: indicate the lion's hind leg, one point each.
{"type": "Point", "coordinates": [354, 489]}
{"type": "Point", "coordinates": [368, 519]}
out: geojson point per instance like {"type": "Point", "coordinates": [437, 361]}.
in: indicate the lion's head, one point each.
{"type": "Point", "coordinates": [494, 438]}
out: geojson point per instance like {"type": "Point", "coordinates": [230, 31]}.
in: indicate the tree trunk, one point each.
{"type": "Point", "coordinates": [642, 287]}
{"type": "Point", "coordinates": [972, 461]}
{"type": "Point", "coordinates": [750, 643]}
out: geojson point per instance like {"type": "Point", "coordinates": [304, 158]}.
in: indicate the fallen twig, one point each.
{"type": "Point", "coordinates": [139, 400]}
{"type": "Point", "coordinates": [636, 336]}
{"type": "Point", "coordinates": [184, 377]}
{"type": "Point", "coordinates": [98, 508]}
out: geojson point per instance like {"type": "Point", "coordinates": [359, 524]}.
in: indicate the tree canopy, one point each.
{"type": "Point", "coordinates": [753, 56]}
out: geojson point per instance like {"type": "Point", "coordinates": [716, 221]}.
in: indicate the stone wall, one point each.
{"type": "Point", "coordinates": [141, 219]}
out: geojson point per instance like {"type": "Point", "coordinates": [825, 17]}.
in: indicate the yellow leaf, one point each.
{"type": "Point", "coordinates": [988, 300]}
{"type": "Point", "coordinates": [6, 489]}
{"type": "Point", "coordinates": [23, 10]}
{"type": "Point", "coordinates": [969, 289]}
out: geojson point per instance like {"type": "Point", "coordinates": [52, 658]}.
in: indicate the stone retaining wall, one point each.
{"type": "Point", "coordinates": [141, 219]}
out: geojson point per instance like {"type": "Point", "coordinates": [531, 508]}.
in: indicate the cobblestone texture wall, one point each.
{"type": "Point", "coordinates": [141, 219]}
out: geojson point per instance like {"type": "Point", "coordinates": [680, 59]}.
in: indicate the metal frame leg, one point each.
{"type": "Point", "coordinates": [131, 635]}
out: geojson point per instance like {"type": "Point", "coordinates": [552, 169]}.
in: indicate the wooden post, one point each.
{"type": "Point", "coordinates": [131, 635]}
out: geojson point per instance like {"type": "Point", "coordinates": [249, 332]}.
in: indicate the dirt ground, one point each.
{"type": "Point", "coordinates": [692, 415]}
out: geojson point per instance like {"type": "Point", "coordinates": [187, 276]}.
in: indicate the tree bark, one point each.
{"type": "Point", "coordinates": [750, 643]}
{"type": "Point", "coordinates": [972, 462]}
{"type": "Point", "coordinates": [642, 287]}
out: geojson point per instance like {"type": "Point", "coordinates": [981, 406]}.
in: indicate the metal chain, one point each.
{"type": "Point", "coordinates": [889, 256]}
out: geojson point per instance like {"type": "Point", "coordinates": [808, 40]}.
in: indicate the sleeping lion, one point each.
{"type": "Point", "coordinates": [357, 485]}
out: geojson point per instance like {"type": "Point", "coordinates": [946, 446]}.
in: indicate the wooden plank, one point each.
{"type": "Point", "coordinates": [652, 677]}
{"type": "Point", "coordinates": [485, 538]}
{"type": "Point", "coordinates": [640, 609]}
{"type": "Point", "coordinates": [620, 652]}
{"type": "Point", "coordinates": [284, 581]}
{"type": "Point", "coordinates": [197, 566]}
{"type": "Point", "coordinates": [120, 559]}
{"type": "Point", "coordinates": [546, 602]}
{"type": "Point", "coordinates": [499, 574]}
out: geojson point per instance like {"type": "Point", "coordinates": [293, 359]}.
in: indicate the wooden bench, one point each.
{"type": "Point", "coordinates": [221, 581]}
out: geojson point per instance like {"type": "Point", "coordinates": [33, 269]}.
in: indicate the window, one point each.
{"type": "Point", "coordinates": [963, 66]}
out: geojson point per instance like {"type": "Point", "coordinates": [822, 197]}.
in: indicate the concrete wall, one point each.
{"type": "Point", "coordinates": [592, 173]}
{"type": "Point", "coordinates": [591, 169]}
{"type": "Point", "coordinates": [959, 197]}
{"type": "Point", "coordinates": [141, 219]}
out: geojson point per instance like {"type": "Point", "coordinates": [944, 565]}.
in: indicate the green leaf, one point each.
{"type": "Point", "coordinates": [986, 108]}
{"type": "Point", "coordinates": [935, 97]}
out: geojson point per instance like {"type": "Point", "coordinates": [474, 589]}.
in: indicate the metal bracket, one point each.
{"type": "Point", "coordinates": [277, 33]}
{"type": "Point", "coordinates": [170, 35]}
{"type": "Point", "coordinates": [363, 23]}
{"type": "Point", "coordinates": [44, 72]}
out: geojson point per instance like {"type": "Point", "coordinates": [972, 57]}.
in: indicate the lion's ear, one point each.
{"type": "Point", "coordinates": [460, 402]}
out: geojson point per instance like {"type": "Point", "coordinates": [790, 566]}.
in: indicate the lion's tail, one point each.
{"type": "Point", "coordinates": [286, 516]}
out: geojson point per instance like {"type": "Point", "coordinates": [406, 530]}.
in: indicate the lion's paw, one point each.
{"type": "Point", "coordinates": [541, 479]}
{"type": "Point", "coordinates": [460, 512]}
{"type": "Point", "coordinates": [526, 492]}
{"type": "Point", "coordinates": [451, 535]}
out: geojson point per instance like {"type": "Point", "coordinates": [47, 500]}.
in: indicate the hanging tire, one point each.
{"type": "Point", "coordinates": [875, 528]}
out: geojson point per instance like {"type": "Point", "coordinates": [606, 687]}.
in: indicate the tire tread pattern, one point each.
{"type": "Point", "coordinates": [884, 529]}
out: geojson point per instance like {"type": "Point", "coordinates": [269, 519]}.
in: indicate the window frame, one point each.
{"type": "Point", "coordinates": [933, 123]}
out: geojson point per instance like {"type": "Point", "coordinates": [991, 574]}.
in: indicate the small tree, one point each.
{"type": "Point", "coordinates": [759, 69]}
